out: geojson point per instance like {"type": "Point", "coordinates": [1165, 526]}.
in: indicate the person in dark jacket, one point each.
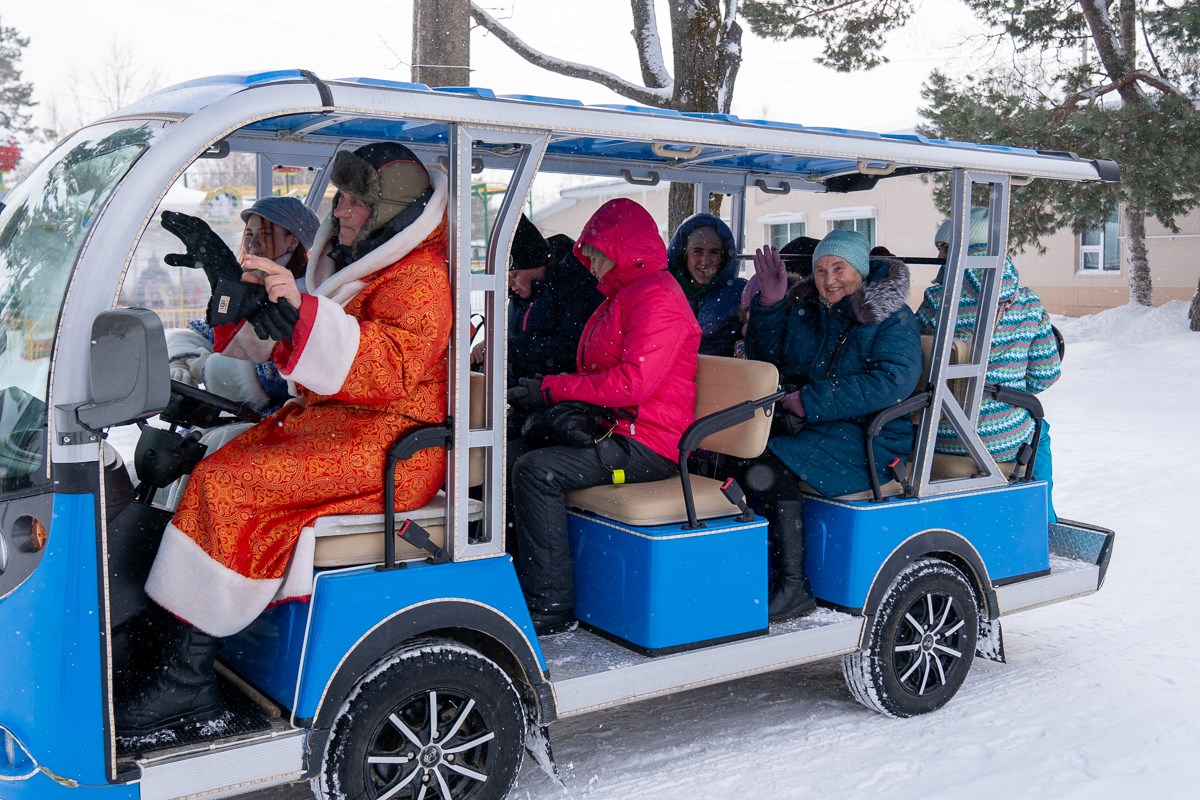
{"type": "Point", "coordinates": [702, 255]}
{"type": "Point", "coordinates": [551, 296]}
{"type": "Point", "coordinates": [848, 346]}
{"type": "Point", "coordinates": [637, 356]}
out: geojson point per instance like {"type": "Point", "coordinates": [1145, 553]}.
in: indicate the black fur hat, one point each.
{"type": "Point", "coordinates": [387, 176]}
{"type": "Point", "coordinates": [529, 248]}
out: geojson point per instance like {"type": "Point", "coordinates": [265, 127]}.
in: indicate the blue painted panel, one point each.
{"type": "Point", "coordinates": [665, 586]}
{"type": "Point", "coordinates": [471, 90]}
{"type": "Point", "coordinates": [414, 87]}
{"type": "Point", "coordinates": [847, 542]}
{"type": "Point", "coordinates": [537, 98]}
{"type": "Point", "coordinates": [50, 670]}
{"type": "Point", "coordinates": [273, 75]}
{"type": "Point", "coordinates": [347, 604]}
{"type": "Point", "coordinates": [268, 651]}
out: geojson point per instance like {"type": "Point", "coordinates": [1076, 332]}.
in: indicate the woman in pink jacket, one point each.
{"type": "Point", "coordinates": [637, 356]}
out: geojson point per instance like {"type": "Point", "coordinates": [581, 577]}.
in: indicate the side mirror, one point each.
{"type": "Point", "coordinates": [130, 376]}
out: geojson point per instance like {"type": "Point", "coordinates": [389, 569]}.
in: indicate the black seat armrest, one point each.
{"type": "Point", "coordinates": [405, 446]}
{"type": "Point", "coordinates": [704, 427]}
{"type": "Point", "coordinates": [910, 406]}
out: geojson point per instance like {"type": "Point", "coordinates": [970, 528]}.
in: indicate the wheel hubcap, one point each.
{"type": "Point", "coordinates": [437, 744]}
{"type": "Point", "coordinates": [929, 644]}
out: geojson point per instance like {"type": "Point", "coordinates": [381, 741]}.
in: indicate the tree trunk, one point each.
{"type": "Point", "coordinates": [1194, 310]}
{"type": "Point", "coordinates": [1141, 289]}
{"type": "Point", "coordinates": [441, 42]}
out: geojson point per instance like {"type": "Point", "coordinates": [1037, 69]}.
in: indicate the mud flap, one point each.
{"type": "Point", "coordinates": [990, 644]}
{"type": "Point", "coordinates": [537, 744]}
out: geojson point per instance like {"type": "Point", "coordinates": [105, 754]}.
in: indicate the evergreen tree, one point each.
{"type": "Point", "coordinates": [16, 98]}
{"type": "Point", "coordinates": [1079, 82]}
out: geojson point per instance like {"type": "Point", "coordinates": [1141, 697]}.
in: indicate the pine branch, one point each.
{"type": "Point", "coordinates": [1094, 92]}
{"type": "Point", "coordinates": [658, 96]}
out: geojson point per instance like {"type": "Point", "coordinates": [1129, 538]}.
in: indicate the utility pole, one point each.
{"type": "Point", "coordinates": [441, 42]}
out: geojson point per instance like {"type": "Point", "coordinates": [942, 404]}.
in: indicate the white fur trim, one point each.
{"type": "Point", "coordinates": [298, 580]}
{"type": "Point", "coordinates": [336, 285]}
{"type": "Point", "coordinates": [192, 586]}
{"type": "Point", "coordinates": [329, 351]}
{"type": "Point", "coordinates": [235, 379]}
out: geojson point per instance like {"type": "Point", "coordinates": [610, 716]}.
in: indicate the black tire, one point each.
{"type": "Point", "coordinates": [382, 743]}
{"type": "Point", "coordinates": [920, 643]}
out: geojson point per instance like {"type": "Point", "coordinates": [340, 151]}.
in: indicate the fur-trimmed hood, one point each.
{"type": "Point", "coordinates": [342, 285]}
{"type": "Point", "coordinates": [884, 291]}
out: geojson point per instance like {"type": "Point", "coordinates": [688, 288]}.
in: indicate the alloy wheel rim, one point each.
{"type": "Point", "coordinates": [929, 644]}
{"type": "Point", "coordinates": [436, 745]}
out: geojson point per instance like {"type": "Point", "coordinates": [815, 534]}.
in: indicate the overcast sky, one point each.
{"type": "Point", "coordinates": [173, 41]}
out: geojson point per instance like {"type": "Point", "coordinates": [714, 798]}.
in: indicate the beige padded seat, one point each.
{"type": "Point", "coordinates": [720, 383]}
{"type": "Point", "coordinates": [347, 540]}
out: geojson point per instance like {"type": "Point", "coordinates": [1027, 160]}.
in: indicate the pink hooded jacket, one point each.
{"type": "Point", "coordinates": [638, 349]}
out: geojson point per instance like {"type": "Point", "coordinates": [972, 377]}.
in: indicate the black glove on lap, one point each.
{"type": "Point", "coordinates": [205, 249]}
{"type": "Point", "coordinates": [529, 394]}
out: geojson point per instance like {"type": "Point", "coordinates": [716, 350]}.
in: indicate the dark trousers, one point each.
{"type": "Point", "coordinates": [541, 480]}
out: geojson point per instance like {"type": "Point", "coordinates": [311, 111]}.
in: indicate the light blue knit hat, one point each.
{"type": "Point", "coordinates": [978, 229]}
{"type": "Point", "coordinates": [850, 246]}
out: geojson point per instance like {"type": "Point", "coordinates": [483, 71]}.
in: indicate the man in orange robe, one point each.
{"type": "Point", "coordinates": [367, 353]}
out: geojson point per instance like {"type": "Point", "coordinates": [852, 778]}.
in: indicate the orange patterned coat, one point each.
{"type": "Point", "coordinates": [368, 359]}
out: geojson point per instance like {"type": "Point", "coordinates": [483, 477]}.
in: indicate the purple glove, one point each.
{"type": "Point", "coordinates": [771, 274]}
{"type": "Point", "coordinates": [793, 404]}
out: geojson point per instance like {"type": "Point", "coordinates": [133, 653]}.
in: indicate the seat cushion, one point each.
{"type": "Point", "coordinates": [347, 540]}
{"type": "Point", "coordinates": [947, 466]}
{"type": "Point", "coordinates": [653, 503]}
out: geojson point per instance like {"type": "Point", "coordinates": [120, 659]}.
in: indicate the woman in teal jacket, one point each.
{"type": "Point", "coordinates": [847, 346]}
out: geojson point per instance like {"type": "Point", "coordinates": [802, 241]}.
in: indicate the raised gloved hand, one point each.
{"type": "Point", "coordinates": [529, 394]}
{"type": "Point", "coordinates": [233, 301]}
{"type": "Point", "coordinates": [771, 274]}
{"type": "Point", "coordinates": [274, 320]}
{"type": "Point", "coordinates": [205, 249]}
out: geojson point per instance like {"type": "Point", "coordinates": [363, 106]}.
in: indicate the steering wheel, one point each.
{"type": "Point", "coordinates": [202, 408]}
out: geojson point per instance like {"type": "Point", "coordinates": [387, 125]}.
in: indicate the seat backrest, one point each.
{"type": "Point", "coordinates": [478, 391]}
{"type": "Point", "coordinates": [959, 354]}
{"type": "Point", "coordinates": [722, 382]}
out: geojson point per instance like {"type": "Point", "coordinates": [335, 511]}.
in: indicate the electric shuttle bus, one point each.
{"type": "Point", "coordinates": [413, 669]}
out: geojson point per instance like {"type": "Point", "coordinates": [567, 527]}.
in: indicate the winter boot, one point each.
{"type": "Point", "coordinates": [791, 595]}
{"type": "Point", "coordinates": [183, 689]}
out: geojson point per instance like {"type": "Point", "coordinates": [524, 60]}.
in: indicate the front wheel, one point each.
{"type": "Point", "coordinates": [920, 643]}
{"type": "Point", "coordinates": [435, 720]}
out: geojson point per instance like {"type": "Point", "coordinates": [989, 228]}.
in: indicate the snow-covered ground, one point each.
{"type": "Point", "coordinates": [1097, 699]}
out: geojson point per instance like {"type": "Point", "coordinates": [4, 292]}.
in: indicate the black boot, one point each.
{"type": "Point", "coordinates": [791, 595]}
{"type": "Point", "coordinates": [183, 689]}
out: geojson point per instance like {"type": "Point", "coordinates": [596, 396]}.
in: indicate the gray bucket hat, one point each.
{"type": "Point", "coordinates": [288, 213]}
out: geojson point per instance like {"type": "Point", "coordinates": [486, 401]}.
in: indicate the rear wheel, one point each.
{"type": "Point", "coordinates": [920, 643]}
{"type": "Point", "coordinates": [436, 720]}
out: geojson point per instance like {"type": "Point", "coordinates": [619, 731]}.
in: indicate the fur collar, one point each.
{"type": "Point", "coordinates": [344, 284]}
{"type": "Point", "coordinates": [882, 294]}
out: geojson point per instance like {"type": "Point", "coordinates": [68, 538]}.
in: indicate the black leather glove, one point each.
{"type": "Point", "coordinates": [529, 394]}
{"type": "Point", "coordinates": [274, 320]}
{"type": "Point", "coordinates": [205, 249]}
{"type": "Point", "coordinates": [233, 301]}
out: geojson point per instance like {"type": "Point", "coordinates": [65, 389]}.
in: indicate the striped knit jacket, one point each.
{"type": "Point", "coordinates": [1024, 355]}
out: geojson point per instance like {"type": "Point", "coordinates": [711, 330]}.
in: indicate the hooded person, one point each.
{"type": "Point", "coordinates": [847, 346]}
{"type": "Point", "coordinates": [551, 296]}
{"type": "Point", "coordinates": [366, 348]}
{"type": "Point", "coordinates": [1024, 355]}
{"type": "Point", "coordinates": [702, 256]}
{"type": "Point", "coordinates": [637, 356]}
{"type": "Point", "coordinates": [280, 229]}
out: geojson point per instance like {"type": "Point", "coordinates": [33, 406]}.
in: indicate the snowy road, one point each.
{"type": "Point", "coordinates": [1097, 699]}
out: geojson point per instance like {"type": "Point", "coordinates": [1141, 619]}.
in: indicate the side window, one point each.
{"type": "Point", "coordinates": [782, 228]}
{"type": "Point", "coordinates": [1100, 247]}
{"type": "Point", "coordinates": [859, 218]}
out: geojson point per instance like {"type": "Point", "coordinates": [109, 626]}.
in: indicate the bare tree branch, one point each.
{"type": "Point", "coordinates": [649, 45]}
{"type": "Point", "coordinates": [1093, 92]}
{"type": "Point", "coordinates": [659, 96]}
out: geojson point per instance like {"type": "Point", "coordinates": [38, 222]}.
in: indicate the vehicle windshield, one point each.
{"type": "Point", "coordinates": [43, 225]}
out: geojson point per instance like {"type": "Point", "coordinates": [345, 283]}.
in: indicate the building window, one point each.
{"type": "Point", "coordinates": [782, 228]}
{"type": "Point", "coordinates": [1100, 247]}
{"type": "Point", "coordinates": [860, 218]}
